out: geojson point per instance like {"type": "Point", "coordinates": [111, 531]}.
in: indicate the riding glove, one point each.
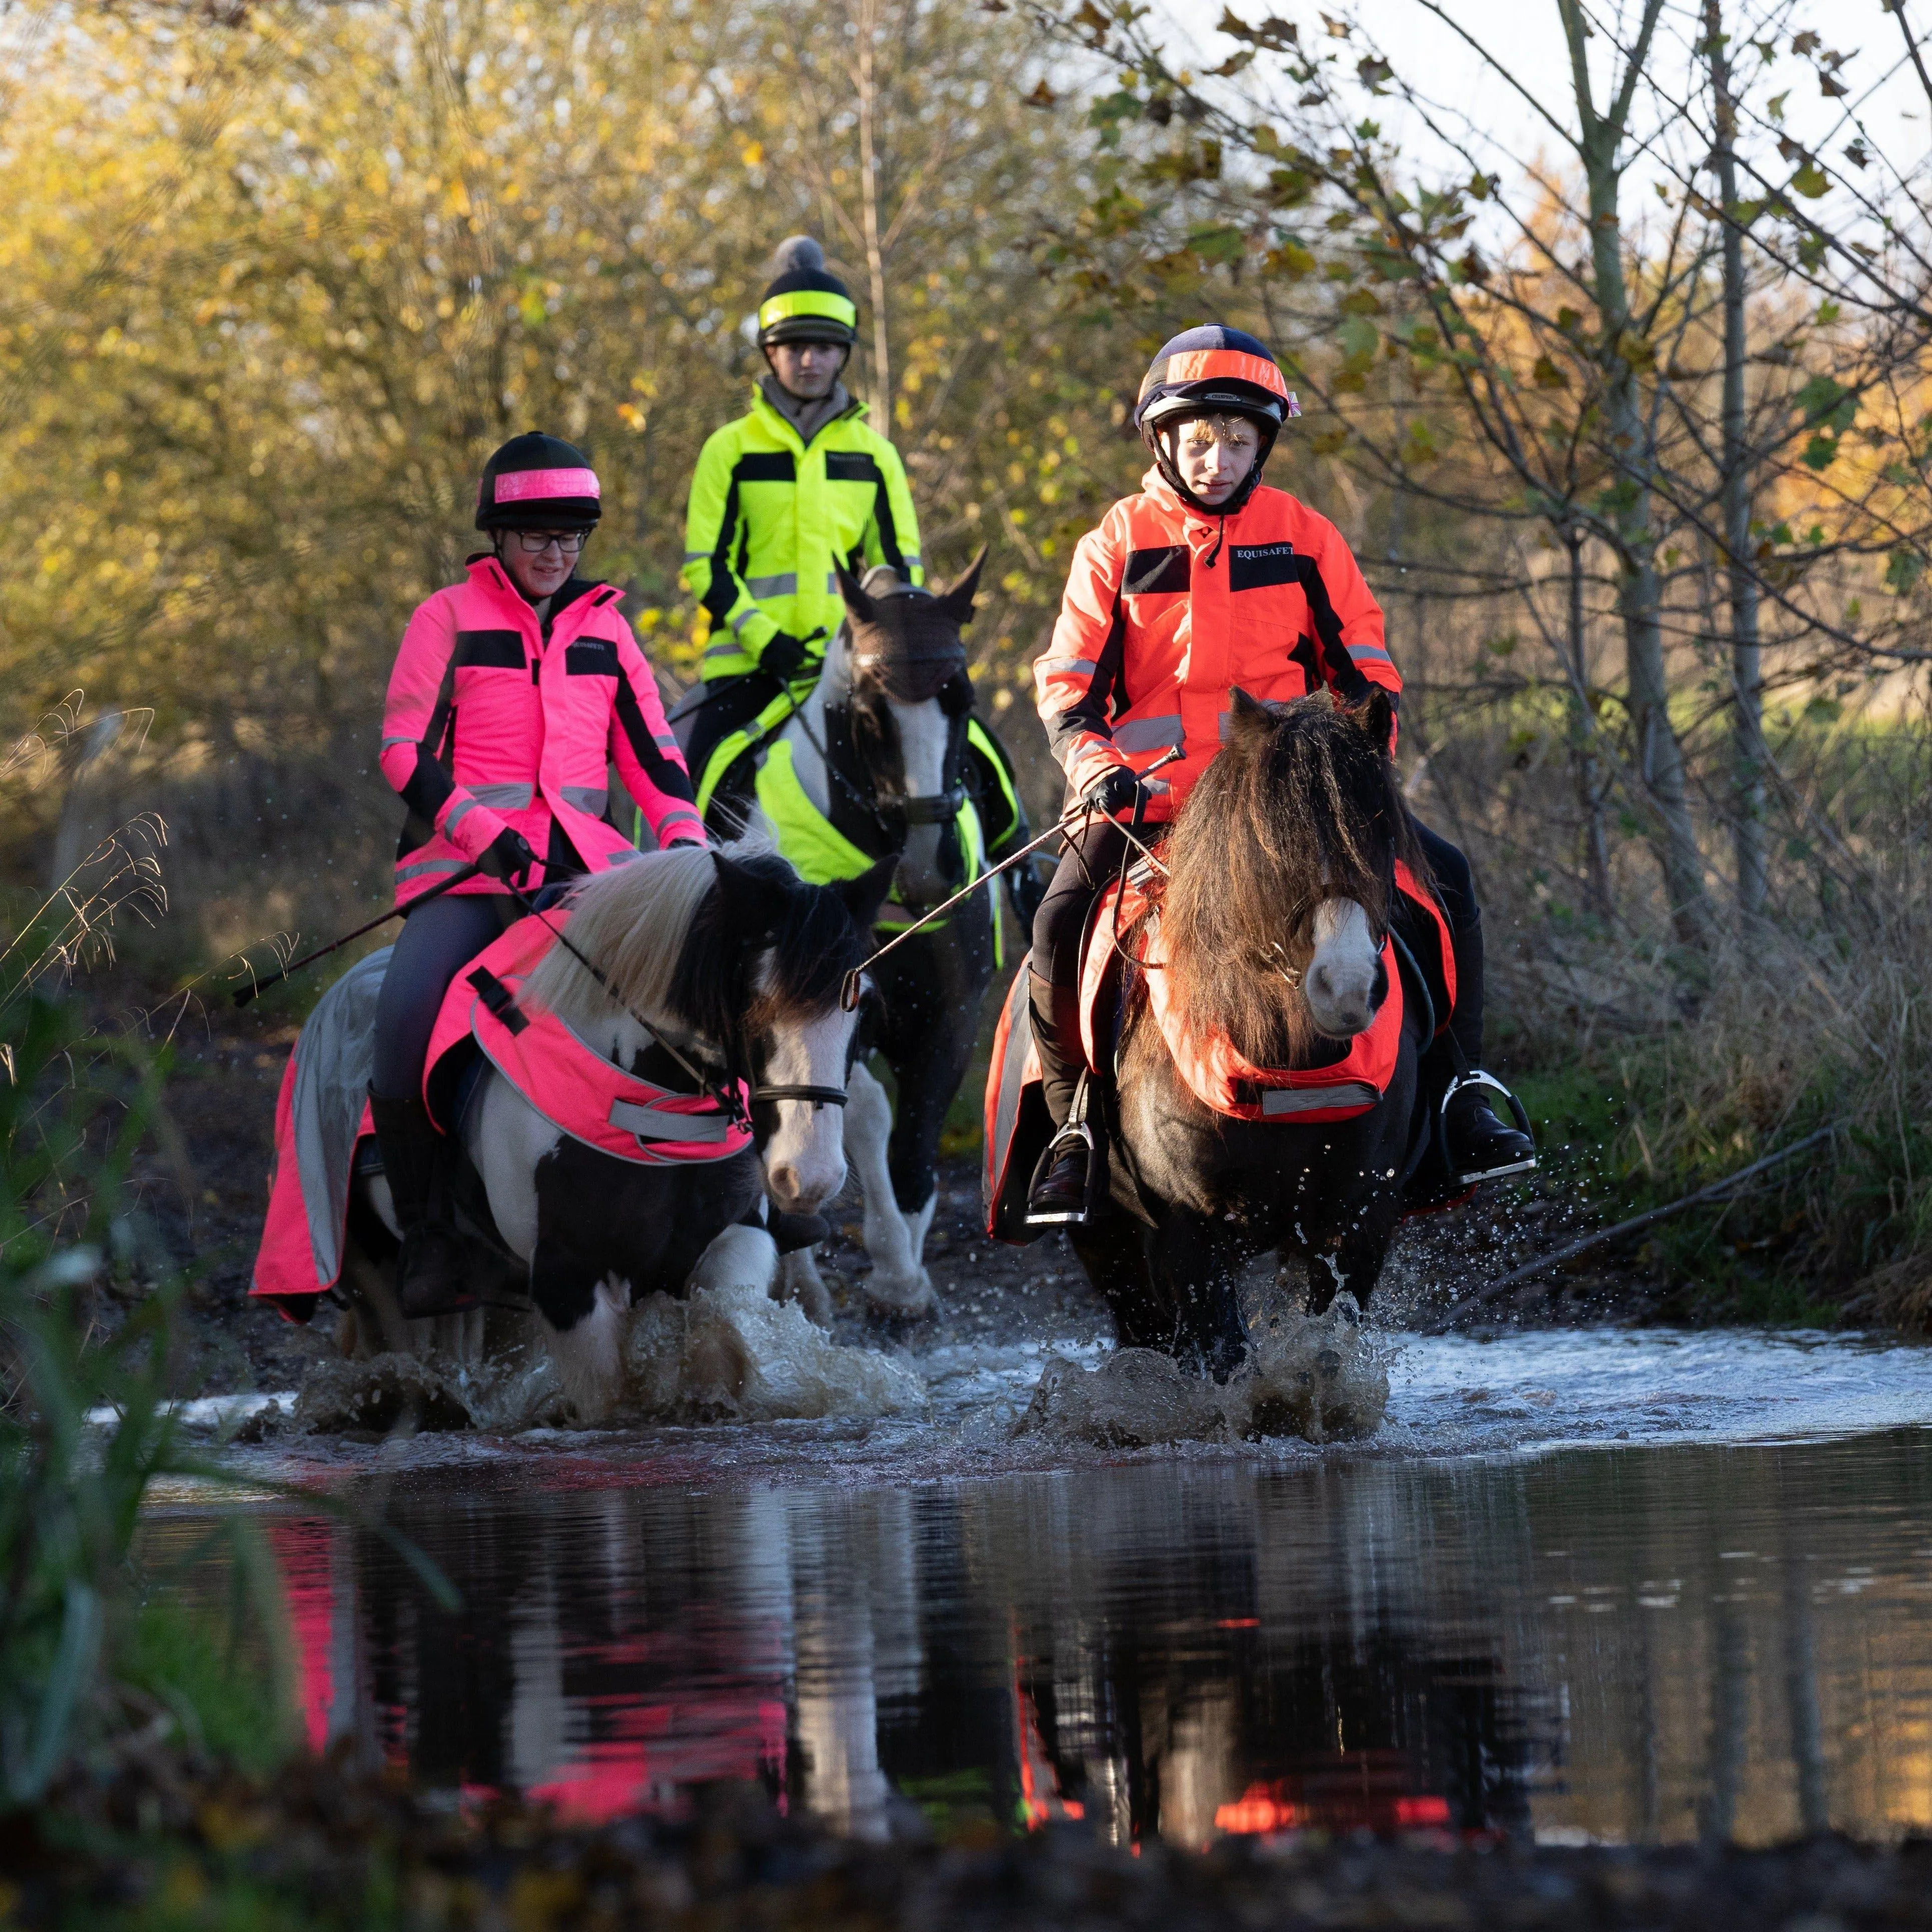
{"type": "Point", "coordinates": [1116, 791]}
{"type": "Point", "coordinates": [783, 656]}
{"type": "Point", "coordinates": [508, 856]}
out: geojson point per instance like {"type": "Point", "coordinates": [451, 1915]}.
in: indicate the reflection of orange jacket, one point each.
{"type": "Point", "coordinates": [1166, 611]}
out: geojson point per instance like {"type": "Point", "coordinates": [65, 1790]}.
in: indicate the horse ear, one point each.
{"type": "Point", "coordinates": [864, 895]}
{"type": "Point", "coordinates": [858, 605]}
{"type": "Point", "coordinates": [1249, 720]}
{"type": "Point", "coordinates": [753, 902]}
{"type": "Point", "coordinates": [1377, 716]}
{"type": "Point", "coordinates": [956, 600]}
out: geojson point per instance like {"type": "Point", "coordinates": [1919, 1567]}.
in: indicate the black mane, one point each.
{"type": "Point", "coordinates": [760, 907]}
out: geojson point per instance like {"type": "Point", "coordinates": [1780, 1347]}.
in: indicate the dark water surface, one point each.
{"type": "Point", "coordinates": [1653, 1642]}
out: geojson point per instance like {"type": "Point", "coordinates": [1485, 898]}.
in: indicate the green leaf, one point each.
{"type": "Point", "coordinates": [1360, 339]}
{"type": "Point", "coordinates": [1810, 181]}
{"type": "Point", "coordinates": [1902, 570]}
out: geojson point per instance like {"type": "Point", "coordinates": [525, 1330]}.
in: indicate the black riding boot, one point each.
{"type": "Point", "coordinates": [1481, 1146]}
{"type": "Point", "coordinates": [431, 1277]}
{"type": "Point", "coordinates": [1058, 1198]}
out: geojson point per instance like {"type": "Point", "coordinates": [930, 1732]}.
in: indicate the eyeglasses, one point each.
{"type": "Point", "coordinates": [534, 543]}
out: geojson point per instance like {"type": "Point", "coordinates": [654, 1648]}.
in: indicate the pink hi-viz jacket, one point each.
{"type": "Point", "coordinates": [496, 719]}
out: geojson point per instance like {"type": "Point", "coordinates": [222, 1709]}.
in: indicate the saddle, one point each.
{"type": "Point", "coordinates": [1416, 953]}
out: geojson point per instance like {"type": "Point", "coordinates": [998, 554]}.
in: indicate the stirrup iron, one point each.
{"type": "Point", "coordinates": [1476, 1077]}
{"type": "Point", "coordinates": [1076, 1132]}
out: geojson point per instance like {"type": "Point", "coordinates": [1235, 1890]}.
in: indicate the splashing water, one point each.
{"type": "Point", "coordinates": [729, 1354]}
{"type": "Point", "coordinates": [1318, 1377]}
{"type": "Point", "coordinates": [732, 1354]}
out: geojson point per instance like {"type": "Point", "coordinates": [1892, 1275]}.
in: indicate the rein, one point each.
{"type": "Point", "coordinates": [848, 998]}
{"type": "Point", "coordinates": [724, 1093]}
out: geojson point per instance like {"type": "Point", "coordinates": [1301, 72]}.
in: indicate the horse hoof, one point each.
{"type": "Point", "coordinates": [904, 1298]}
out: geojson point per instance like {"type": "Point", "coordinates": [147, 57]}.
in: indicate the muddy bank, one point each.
{"type": "Point", "coordinates": [319, 1847]}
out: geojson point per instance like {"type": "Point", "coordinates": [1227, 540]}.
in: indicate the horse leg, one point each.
{"type": "Point", "coordinates": [740, 1257]}
{"type": "Point", "coordinates": [897, 1285]}
{"type": "Point", "coordinates": [1200, 1272]}
{"type": "Point", "coordinates": [1113, 1249]}
{"type": "Point", "coordinates": [798, 1280]}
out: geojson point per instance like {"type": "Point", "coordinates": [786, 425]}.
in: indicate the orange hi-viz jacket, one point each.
{"type": "Point", "coordinates": [1167, 610]}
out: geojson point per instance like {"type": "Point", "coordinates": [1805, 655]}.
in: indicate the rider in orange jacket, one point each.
{"type": "Point", "coordinates": [1203, 582]}
{"type": "Point", "coordinates": [513, 694]}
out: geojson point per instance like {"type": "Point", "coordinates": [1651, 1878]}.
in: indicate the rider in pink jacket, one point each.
{"type": "Point", "coordinates": [513, 694]}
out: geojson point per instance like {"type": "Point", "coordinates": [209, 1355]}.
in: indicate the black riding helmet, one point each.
{"type": "Point", "coordinates": [539, 482]}
{"type": "Point", "coordinates": [1213, 371]}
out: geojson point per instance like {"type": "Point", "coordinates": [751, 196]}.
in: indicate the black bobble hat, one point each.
{"type": "Point", "coordinates": [805, 301]}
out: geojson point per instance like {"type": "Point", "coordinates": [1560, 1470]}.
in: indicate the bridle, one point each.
{"type": "Point", "coordinates": [731, 1089]}
{"type": "Point", "coordinates": [889, 812]}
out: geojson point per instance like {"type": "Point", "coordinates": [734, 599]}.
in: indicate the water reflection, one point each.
{"type": "Point", "coordinates": [1652, 1644]}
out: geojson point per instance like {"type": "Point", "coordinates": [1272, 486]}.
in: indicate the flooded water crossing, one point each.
{"type": "Point", "coordinates": [1612, 1586]}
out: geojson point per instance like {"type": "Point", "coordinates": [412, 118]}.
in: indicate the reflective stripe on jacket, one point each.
{"type": "Point", "coordinates": [1167, 611]}
{"type": "Point", "coordinates": [489, 724]}
{"type": "Point", "coordinates": [768, 518]}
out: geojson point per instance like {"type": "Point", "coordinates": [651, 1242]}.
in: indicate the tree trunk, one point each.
{"type": "Point", "coordinates": [1582, 733]}
{"type": "Point", "coordinates": [1747, 800]}
{"type": "Point", "coordinates": [866, 87]}
{"type": "Point", "coordinates": [1659, 756]}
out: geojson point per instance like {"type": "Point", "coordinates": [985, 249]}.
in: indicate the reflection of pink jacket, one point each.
{"type": "Point", "coordinates": [495, 719]}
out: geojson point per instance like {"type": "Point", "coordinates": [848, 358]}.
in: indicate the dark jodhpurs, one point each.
{"type": "Point", "coordinates": [1093, 857]}
{"type": "Point", "coordinates": [438, 940]}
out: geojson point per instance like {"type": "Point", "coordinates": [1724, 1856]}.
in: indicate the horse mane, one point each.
{"type": "Point", "coordinates": [1302, 805]}
{"type": "Point", "coordinates": [633, 921]}
{"type": "Point", "coordinates": [725, 944]}
{"type": "Point", "coordinates": [766, 947]}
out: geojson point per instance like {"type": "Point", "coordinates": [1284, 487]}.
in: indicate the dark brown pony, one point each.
{"type": "Point", "coordinates": [1282, 886]}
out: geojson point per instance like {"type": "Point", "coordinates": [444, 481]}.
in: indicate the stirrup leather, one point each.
{"type": "Point", "coordinates": [1476, 1077]}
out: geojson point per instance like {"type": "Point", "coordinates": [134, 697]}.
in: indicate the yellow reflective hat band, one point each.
{"type": "Point", "coordinates": [808, 302]}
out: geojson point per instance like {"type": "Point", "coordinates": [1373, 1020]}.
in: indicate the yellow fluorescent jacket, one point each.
{"type": "Point", "coordinates": [768, 518]}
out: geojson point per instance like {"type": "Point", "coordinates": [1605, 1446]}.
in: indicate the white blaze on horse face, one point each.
{"type": "Point", "coordinates": [924, 731]}
{"type": "Point", "coordinates": [1344, 984]}
{"type": "Point", "coordinates": [805, 1159]}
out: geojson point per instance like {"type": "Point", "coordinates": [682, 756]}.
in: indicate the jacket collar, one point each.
{"type": "Point", "coordinates": [775, 419]}
{"type": "Point", "coordinates": [488, 573]}
{"type": "Point", "coordinates": [1170, 499]}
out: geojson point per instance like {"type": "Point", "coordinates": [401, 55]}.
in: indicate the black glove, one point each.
{"type": "Point", "coordinates": [1116, 791]}
{"type": "Point", "coordinates": [507, 855]}
{"type": "Point", "coordinates": [782, 656]}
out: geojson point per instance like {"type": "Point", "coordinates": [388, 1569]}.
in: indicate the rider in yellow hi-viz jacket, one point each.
{"type": "Point", "coordinates": [779, 496]}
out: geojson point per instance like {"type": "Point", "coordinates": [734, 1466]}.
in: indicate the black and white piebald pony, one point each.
{"type": "Point", "coordinates": [879, 749]}
{"type": "Point", "coordinates": [737, 964]}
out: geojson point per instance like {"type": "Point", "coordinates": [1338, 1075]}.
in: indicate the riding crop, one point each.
{"type": "Point", "coordinates": [848, 996]}
{"type": "Point", "coordinates": [243, 994]}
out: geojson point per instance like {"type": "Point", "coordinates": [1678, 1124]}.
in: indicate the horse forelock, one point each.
{"type": "Point", "coordinates": [1304, 809]}
{"type": "Point", "coordinates": [909, 648]}
{"type": "Point", "coordinates": [774, 955]}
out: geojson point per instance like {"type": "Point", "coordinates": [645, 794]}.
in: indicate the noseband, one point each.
{"type": "Point", "coordinates": [819, 1097]}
